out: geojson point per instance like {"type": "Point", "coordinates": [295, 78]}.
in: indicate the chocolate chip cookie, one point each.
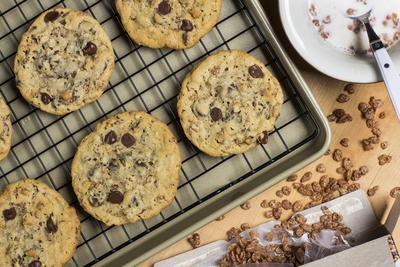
{"type": "Point", "coordinates": [127, 169]}
{"type": "Point", "coordinates": [64, 61]}
{"type": "Point", "coordinates": [5, 129]}
{"type": "Point", "coordinates": [229, 103]}
{"type": "Point", "coordinates": [177, 24]}
{"type": "Point", "coordinates": [37, 226]}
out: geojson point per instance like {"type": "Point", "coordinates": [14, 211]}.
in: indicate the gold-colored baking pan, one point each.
{"type": "Point", "coordinates": [149, 79]}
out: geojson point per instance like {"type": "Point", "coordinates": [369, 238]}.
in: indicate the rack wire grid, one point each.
{"type": "Point", "coordinates": [143, 79]}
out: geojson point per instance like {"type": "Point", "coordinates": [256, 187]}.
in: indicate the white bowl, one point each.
{"type": "Point", "coordinates": [323, 56]}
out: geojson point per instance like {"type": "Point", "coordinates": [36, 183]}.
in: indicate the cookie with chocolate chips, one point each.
{"type": "Point", "coordinates": [177, 24]}
{"type": "Point", "coordinates": [64, 61]}
{"type": "Point", "coordinates": [5, 129]}
{"type": "Point", "coordinates": [127, 169]}
{"type": "Point", "coordinates": [229, 103]}
{"type": "Point", "coordinates": [37, 226]}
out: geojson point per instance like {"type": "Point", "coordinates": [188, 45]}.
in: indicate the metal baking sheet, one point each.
{"type": "Point", "coordinates": [149, 79]}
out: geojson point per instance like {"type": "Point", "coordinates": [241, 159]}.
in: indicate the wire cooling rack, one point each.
{"type": "Point", "coordinates": [143, 79]}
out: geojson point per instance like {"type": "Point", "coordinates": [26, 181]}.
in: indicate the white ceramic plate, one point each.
{"type": "Point", "coordinates": [323, 56]}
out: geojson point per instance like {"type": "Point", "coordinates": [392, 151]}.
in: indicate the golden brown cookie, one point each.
{"type": "Point", "coordinates": [5, 129]}
{"type": "Point", "coordinates": [177, 24]}
{"type": "Point", "coordinates": [37, 226]}
{"type": "Point", "coordinates": [229, 103]}
{"type": "Point", "coordinates": [64, 61]}
{"type": "Point", "coordinates": [127, 169]}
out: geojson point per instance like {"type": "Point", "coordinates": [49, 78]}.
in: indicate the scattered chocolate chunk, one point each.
{"type": "Point", "coordinates": [320, 168]}
{"type": "Point", "coordinates": [246, 205]}
{"type": "Point", "coordinates": [331, 117]}
{"type": "Point", "coordinates": [306, 177]}
{"type": "Point", "coordinates": [279, 193]}
{"type": "Point", "coordinates": [110, 138]}
{"type": "Point", "coordinates": [244, 226]}
{"type": "Point", "coordinates": [51, 16]}
{"type": "Point", "coordinates": [51, 227]}
{"type": "Point", "coordinates": [347, 164]}
{"type": "Point", "coordinates": [286, 204]}
{"type": "Point", "coordinates": [187, 25]}
{"type": "Point", "coordinates": [395, 191]}
{"type": "Point", "coordinates": [375, 102]}
{"type": "Point", "coordinates": [337, 155]}
{"type": "Point", "coordinates": [343, 98]}
{"type": "Point", "coordinates": [277, 213]}
{"type": "Point", "coordinates": [344, 142]}
{"type": "Point", "coordinates": [35, 264]}
{"type": "Point", "coordinates": [233, 233]}
{"type": "Point", "coordinates": [344, 118]}
{"type": "Point", "coordinates": [194, 240]}
{"type": "Point", "coordinates": [115, 197]}
{"type": "Point", "coordinates": [268, 214]}
{"type": "Point", "coordinates": [371, 192]}
{"type": "Point", "coordinates": [349, 88]}
{"type": "Point", "coordinates": [369, 113]}
{"type": "Point", "coordinates": [269, 236]}
{"type": "Point", "coordinates": [292, 178]}
{"type": "Point", "coordinates": [90, 49]}
{"type": "Point", "coordinates": [128, 140]}
{"type": "Point", "coordinates": [264, 204]}
{"type": "Point", "coordinates": [371, 123]}
{"type": "Point", "coordinates": [297, 206]}
{"type": "Point", "coordinates": [9, 214]}
{"type": "Point", "coordinates": [164, 8]}
{"type": "Point", "coordinates": [274, 204]}
{"type": "Point", "coordinates": [363, 107]}
{"type": "Point", "coordinates": [263, 139]}
{"type": "Point", "coordinates": [377, 132]}
{"type": "Point", "coordinates": [216, 114]}
{"type": "Point", "coordinates": [384, 159]}
{"type": "Point", "coordinates": [363, 170]}
{"type": "Point", "coordinates": [384, 144]}
{"type": "Point", "coordinates": [286, 190]}
{"type": "Point", "coordinates": [339, 112]}
{"type": "Point", "coordinates": [46, 98]}
{"type": "Point", "coordinates": [256, 72]}
{"type": "Point", "coordinates": [382, 115]}
{"type": "Point", "coordinates": [112, 165]}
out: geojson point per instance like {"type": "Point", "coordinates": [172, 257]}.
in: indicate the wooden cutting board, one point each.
{"type": "Point", "coordinates": [325, 90]}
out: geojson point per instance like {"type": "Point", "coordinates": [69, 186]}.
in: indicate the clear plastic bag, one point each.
{"type": "Point", "coordinates": [327, 242]}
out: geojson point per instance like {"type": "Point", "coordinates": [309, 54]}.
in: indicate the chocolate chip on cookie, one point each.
{"type": "Point", "coordinates": [9, 214]}
{"type": "Point", "coordinates": [94, 201]}
{"type": "Point", "coordinates": [51, 227]}
{"type": "Point", "coordinates": [51, 16]}
{"type": "Point", "coordinates": [187, 25]}
{"type": "Point", "coordinates": [112, 165]}
{"type": "Point", "coordinates": [35, 264]}
{"type": "Point", "coordinates": [216, 114]}
{"type": "Point", "coordinates": [256, 72]}
{"type": "Point", "coordinates": [141, 163]}
{"type": "Point", "coordinates": [115, 197]}
{"type": "Point", "coordinates": [46, 98]}
{"type": "Point", "coordinates": [263, 139]}
{"type": "Point", "coordinates": [128, 140]}
{"type": "Point", "coordinates": [110, 138]}
{"type": "Point", "coordinates": [164, 8]}
{"type": "Point", "coordinates": [90, 49]}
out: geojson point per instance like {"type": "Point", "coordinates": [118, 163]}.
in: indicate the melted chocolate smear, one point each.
{"type": "Point", "coordinates": [51, 16]}
{"type": "Point", "coordinates": [51, 227]}
{"type": "Point", "coordinates": [264, 138]}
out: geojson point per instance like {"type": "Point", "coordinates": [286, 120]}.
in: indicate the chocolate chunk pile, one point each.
{"type": "Point", "coordinates": [243, 250]}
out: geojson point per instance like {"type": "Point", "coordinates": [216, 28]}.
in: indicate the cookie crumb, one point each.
{"type": "Point", "coordinates": [220, 218]}
{"type": "Point", "coordinates": [328, 152]}
{"type": "Point", "coordinates": [337, 155]}
{"type": "Point", "coordinates": [382, 115]}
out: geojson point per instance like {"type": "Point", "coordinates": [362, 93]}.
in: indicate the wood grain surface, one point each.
{"type": "Point", "coordinates": [325, 90]}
